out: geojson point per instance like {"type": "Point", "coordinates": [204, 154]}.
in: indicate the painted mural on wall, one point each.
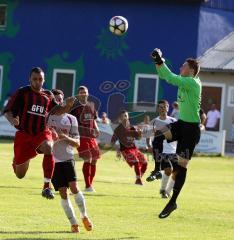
{"type": "Point", "coordinates": [12, 26]}
{"type": "Point", "coordinates": [110, 46]}
{"type": "Point", "coordinates": [62, 61]}
{"type": "Point", "coordinates": [74, 35]}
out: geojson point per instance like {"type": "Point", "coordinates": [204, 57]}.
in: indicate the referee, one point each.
{"type": "Point", "coordinates": [186, 130]}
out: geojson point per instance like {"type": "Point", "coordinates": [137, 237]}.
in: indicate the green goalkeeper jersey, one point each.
{"type": "Point", "coordinates": [188, 96]}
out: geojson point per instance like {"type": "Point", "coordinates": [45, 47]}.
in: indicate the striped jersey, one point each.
{"type": "Point", "coordinates": [32, 108]}
{"type": "Point", "coordinates": [85, 115]}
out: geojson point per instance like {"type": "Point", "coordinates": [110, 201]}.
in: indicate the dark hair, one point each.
{"type": "Point", "coordinates": [57, 92]}
{"type": "Point", "coordinates": [122, 112]}
{"type": "Point", "coordinates": [163, 101]}
{"type": "Point", "coordinates": [193, 64]}
{"type": "Point", "coordinates": [36, 70]}
{"type": "Point", "coordinates": [82, 88]}
{"type": "Point", "coordinates": [175, 104]}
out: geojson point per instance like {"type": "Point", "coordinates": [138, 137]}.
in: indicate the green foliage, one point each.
{"type": "Point", "coordinates": [11, 28]}
{"type": "Point", "coordinates": [61, 61]}
{"type": "Point", "coordinates": [6, 59]}
{"type": "Point", "coordinates": [111, 46]}
{"type": "Point", "coordinates": [119, 209]}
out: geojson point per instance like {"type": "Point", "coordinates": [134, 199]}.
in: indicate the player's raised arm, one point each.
{"type": "Point", "coordinates": [165, 73]}
{"type": "Point", "coordinates": [61, 109]}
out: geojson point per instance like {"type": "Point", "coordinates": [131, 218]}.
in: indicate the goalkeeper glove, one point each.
{"type": "Point", "coordinates": [156, 55]}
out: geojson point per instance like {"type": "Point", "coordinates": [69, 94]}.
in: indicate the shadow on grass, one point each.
{"type": "Point", "coordinates": [119, 183]}
{"type": "Point", "coordinates": [116, 196]}
{"type": "Point", "coordinates": [72, 238]}
{"type": "Point", "coordinates": [15, 187]}
{"type": "Point", "coordinates": [25, 238]}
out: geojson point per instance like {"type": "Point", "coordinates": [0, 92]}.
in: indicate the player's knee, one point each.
{"type": "Point", "coordinates": [74, 190]}
{"type": "Point", "coordinates": [93, 162]}
{"type": "Point", "coordinates": [20, 175]}
{"type": "Point", "coordinates": [63, 193]}
{"type": "Point", "coordinates": [20, 171]}
{"type": "Point", "coordinates": [168, 171]}
{"type": "Point", "coordinates": [183, 162]}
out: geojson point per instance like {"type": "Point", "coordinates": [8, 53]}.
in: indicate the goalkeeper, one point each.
{"type": "Point", "coordinates": [186, 130]}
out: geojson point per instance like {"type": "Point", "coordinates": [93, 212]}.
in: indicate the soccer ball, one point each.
{"type": "Point", "coordinates": [118, 25]}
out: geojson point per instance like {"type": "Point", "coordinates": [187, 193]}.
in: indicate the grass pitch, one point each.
{"type": "Point", "coordinates": [119, 209]}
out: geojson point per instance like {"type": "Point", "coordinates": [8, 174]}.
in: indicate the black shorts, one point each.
{"type": "Point", "coordinates": [64, 172]}
{"type": "Point", "coordinates": [187, 136]}
{"type": "Point", "coordinates": [168, 160]}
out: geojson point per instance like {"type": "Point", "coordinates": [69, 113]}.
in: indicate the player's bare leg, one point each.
{"type": "Point", "coordinates": [21, 170]}
{"type": "Point", "coordinates": [48, 167]}
{"type": "Point", "coordinates": [80, 202]}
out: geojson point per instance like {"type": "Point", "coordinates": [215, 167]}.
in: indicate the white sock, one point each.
{"type": "Point", "coordinates": [47, 180]}
{"type": "Point", "coordinates": [69, 211]}
{"type": "Point", "coordinates": [164, 181]}
{"type": "Point", "coordinates": [80, 202]}
{"type": "Point", "coordinates": [170, 185]}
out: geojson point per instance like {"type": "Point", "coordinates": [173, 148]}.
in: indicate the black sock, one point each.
{"type": "Point", "coordinates": [157, 151]}
{"type": "Point", "coordinates": [179, 182]}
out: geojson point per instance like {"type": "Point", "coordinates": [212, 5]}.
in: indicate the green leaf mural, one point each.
{"type": "Point", "coordinates": [11, 28]}
{"type": "Point", "coordinates": [61, 62]}
{"type": "Point", "coordinates": [6, 60]}
{"type": "Point", "coordinates": [111, 46]}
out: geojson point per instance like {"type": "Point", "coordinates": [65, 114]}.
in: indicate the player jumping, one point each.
{"type": "Point", "coordinates": [27, 111]}
{"type": "Point", "coordinates": [186, 131]}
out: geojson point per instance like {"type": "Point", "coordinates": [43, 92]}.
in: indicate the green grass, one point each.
{"type": "Point", "coordinates": [119, 209]}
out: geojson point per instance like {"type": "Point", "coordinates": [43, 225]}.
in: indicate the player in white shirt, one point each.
{"type": "Point", "coordinates": [164, 153]}
{"type": "Point", "coordinates": [213, 117]}
{"type": "Point", "coordinates": [64, 177]}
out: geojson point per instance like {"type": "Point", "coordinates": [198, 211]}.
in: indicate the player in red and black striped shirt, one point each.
{"type": "Point", "coordinates": [85, 113]}
{"type": "Point", "coordinates": [27, 111]}
{"type": "Point", "coordinates": [126, 135]}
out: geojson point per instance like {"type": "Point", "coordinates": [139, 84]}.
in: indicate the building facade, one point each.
{"type": "Point", "coordinates": [70, 40]}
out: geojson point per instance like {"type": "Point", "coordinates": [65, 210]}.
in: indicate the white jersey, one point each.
{"type": "Point", "coordinates": [168, 148]}
{"type": "Point", "coordinates": [212, 118]}
{"type": "Point", "coordinates": [68, 125]}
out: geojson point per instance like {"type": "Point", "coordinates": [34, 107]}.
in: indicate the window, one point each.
{"type": "Point", "coordinates": [3, 15]}
{"type": "Point", "coordinates": [65, 80]}
{"type": "Point", "coordinates": [145, 92]}
{"type": "Point", "coordinates": [230, 101]}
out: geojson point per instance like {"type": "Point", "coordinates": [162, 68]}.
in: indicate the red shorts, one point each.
{"type": "Point", "coordinates": [88, 148]}
{"type": "Point", "coordinates": [25, 145]}
{"type": "Point", "coordinates": [133, 155]}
